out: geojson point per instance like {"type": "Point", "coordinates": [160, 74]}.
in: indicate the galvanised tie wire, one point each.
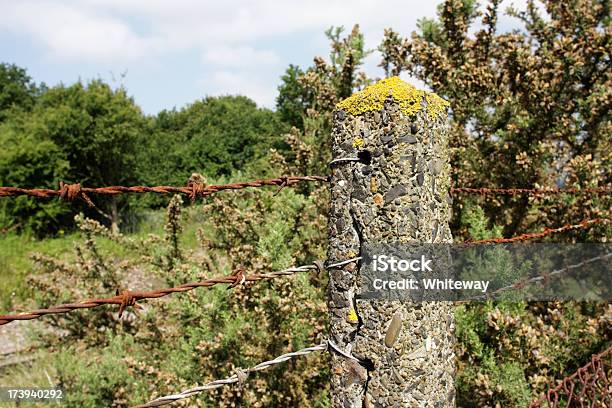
{"type": "Point", "coordinates": [240, 375]}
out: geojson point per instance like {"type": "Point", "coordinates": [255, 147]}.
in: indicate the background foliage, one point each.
{"type": "Point", "coordinates": [529, 109]}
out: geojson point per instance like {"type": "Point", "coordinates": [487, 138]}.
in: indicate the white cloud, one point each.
{"type": "Point", "coordinates": [75, 32]}
{"type": "Point", "coordinates": [242, 45]}
{"type": "Point", "coordinates": [134, 28]}
{"type": "Point", "coordinates": [239, 56]}
{"type": "Point", "coordinates": [103, 29]}
{"type": "Point", "coordinates": [249, 84]}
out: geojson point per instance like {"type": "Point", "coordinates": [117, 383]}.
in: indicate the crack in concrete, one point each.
{"type": "Point", "coordinates": [366, 364]}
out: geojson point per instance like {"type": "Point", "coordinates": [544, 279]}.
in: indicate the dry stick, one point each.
{"type": "Point", "coordinates": [129, 298]}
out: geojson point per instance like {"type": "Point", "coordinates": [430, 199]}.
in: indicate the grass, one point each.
{"type": "Point", "coordinates": [15, 251]}
{"type": "Point", "coordinates": [16, 266]}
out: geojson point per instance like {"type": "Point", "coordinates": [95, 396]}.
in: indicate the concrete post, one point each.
{"type": "Point", "coordinates": [397, 192]}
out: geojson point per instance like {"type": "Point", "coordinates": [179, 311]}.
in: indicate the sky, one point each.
{"type": "Point", "coordinates": [169, 53]}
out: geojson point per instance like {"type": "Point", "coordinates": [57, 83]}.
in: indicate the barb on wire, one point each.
{"type": "Point", "coordinates": [533, 191]}
{"type": "Point", "coordinates": [193, 190]}
{"type": "Point", "coordinates": [586, 387]}
{"type": "Point", "coordinates": [129, 298]}
{"type": "Point", "coordinates": [240, 375]}
{"type": "Point", "coordinates": [547, 231]}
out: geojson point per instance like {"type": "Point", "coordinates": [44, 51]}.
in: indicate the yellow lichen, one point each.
{"type": "Point", "coordinates": [352, 316]}
{"type": "Point", "coordinates": [409, 98]}
{"type": "Point", "coordinates": [373, 186]}
{"type": "Point", "coordinates": [358, 143]}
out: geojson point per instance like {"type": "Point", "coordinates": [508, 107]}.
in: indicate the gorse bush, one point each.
{"type": "Point", "coordinates": [200, 335]}
{"type": "Point", "coordinates": [509, 352]}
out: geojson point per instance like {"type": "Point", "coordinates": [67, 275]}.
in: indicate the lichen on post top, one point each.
{"type": "Point", "coordinates": [373, 97]}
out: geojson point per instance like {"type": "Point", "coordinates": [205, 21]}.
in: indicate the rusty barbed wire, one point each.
{"type": "Point", "coordinates": [532, 191]}
{"type": "Point", "coordinates": [240, 375]}
{"type": "Point", "coordinates": [75, 191]}
{"type": "Point", "coordinates": [586, 387]}
{"type": "Point", "coordinates": [129, 298]}
{"type": "Point", "coordinates": [72, 192]}
{"type": "Point", "coordinates": [547, 231]}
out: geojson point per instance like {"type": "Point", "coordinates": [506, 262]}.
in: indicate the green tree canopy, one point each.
{"type": "Point", "coordinates": [214, 136]}
{"type": "Point", "coordinates": [17, 90]}
{"type": "Point", "coordinates": [83, 133]}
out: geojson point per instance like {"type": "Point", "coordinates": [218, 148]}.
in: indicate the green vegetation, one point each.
{"type": "Point", "coordinates": [17, 90]}
{"type": "Point", "coordinates": [214, 136]}
{"type": "Point", "coordinates": [195, 336]}
{"type": "Point", "coordinates": [528, 109]}
{"type": "Point", "coordinates": [527, 106]}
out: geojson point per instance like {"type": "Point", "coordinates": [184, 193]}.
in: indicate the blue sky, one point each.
{"type": "Point", "coordinates": [170, 53]}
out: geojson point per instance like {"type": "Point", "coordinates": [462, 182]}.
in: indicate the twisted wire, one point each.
{"type": "Point", "coordinates": [76, 191]}
{"type": "Point", "coordinates": [547, 231]}
{"type": "Point", "coordinates": [540, 278]}
{"type": "Point", "coordinates": [237, 377]}
{"type": "Point", "coordinates": [532, 191]}
{"type": "Point", "coordinates": [129, 298]}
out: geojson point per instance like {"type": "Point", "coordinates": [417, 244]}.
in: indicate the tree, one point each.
{"type": "Point", "coordinates": [17, 90]}
{"type": "Point", "coordinates": [94, 129]}
{"type": "Point", "coordinates": [29, 162]}
{"type": "Point", "coordinates": [215, 136]}
{"type": "Point", "coordinates": [292, 100]}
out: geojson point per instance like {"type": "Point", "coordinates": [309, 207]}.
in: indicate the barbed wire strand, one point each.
{"type": "Point", "coordinates": [239, 376]}
{"type": "Point", "coordinates": [76, 191]}
{"type": "Point", "coordinates": [532, 191]}
{"type": "Point", "coordinates": [582, 387]}
{"type": "Point", "coordinates": [547, 231]}
{"type": "Point", "coordinates": [129, 298]}
{"type": "Point", "coordinates": [540, 278]}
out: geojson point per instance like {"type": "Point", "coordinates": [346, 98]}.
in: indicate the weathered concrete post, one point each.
{"type": "Point", "coordinates": [397, 192]}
